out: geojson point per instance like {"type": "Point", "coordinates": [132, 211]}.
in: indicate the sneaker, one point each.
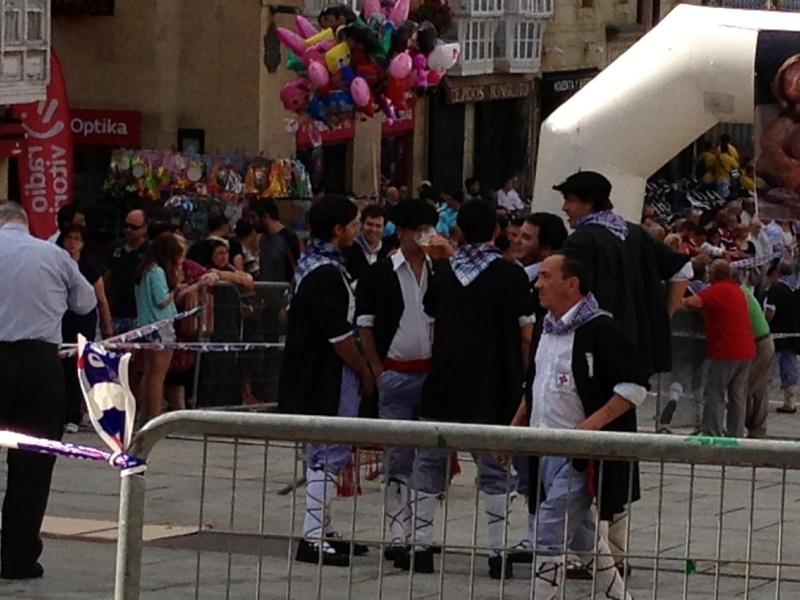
{"type": "Point", "coordinates": [310, 553]}
{"type": "Point", "coordinates": [422, 561]}
{"type": "Point", "coordinates": [496, 570]}
{"type": "Point", "coordinates": [71, 428]}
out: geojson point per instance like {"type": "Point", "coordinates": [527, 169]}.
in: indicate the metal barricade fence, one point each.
{"type": "Point", "coordinates": [715, 519]}
{"type": "Point", "coordinates": [678, 395]}
{"type": "Point", "coordinates": [250, 377]}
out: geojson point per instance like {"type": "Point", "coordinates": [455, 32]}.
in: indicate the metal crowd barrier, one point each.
{"type": "Point", "coordinates": [716, 518]}
{"type": "Point", "coordinates": [250, 377]}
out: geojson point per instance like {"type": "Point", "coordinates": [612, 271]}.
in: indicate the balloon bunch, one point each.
{"type": "Point", "coordinates": [363, 64]}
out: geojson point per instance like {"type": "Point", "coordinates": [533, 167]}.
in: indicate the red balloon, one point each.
{"type": "Point", "coordinates": [396, 92]}
{"type": "Point", "coordinates": [434, 77]}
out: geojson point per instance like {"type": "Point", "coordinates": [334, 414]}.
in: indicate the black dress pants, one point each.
{"type": "Point", "coordinates": [31, 402]}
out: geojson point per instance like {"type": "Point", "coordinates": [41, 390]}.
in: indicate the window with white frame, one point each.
{"type": "Point", "coordinates": [477, 46]}
{"type": "Point", "coordinates": [531, 8]}
{"type": "Point", "coordinates": [24, 49]}
{"type": "Point", "coordinates": [481, 8]}
{"type": "Point", "coordinates": [35, 21]}
{"type": "Point", "coordinates": [526, 41]}
{"type": "Point", "coordinates": [520, 45]}
{"type": "Point", "coordinates": [12, 22]}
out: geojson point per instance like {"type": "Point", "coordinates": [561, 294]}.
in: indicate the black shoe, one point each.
{"type": "Point", "coordinates": [786, 410]}
{"type": "Point", "coordinates": [624, 569]}
{"type": "Point", "coordinates": [422, 561]}
{"type": "Point", "coordinates": [394, 552]}
{"type": "Point", "coordinates": [34, 571]}
{"type": "Point", "coordinates": [343, 547]}
{"type": "Point", "coordinates": [520, 556]}
{"type": "Point", "coordinates": [496, 570]}
{"type": "Point", "coordinates": [309, 553]}
{"type": "Point", "coordinates": [576, 570]}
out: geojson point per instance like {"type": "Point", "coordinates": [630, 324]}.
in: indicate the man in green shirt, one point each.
{"type": "Point", "coordinates": [758, 380]}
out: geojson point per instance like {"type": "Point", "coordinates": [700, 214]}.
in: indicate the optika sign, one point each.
{"type": "Point", "coordinates": [112, 128]}
{"type": "Point", "coordinates": [82, 128]}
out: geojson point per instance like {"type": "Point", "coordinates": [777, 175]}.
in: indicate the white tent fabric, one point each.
{"type": "Point", "coordinates": [693, 70]}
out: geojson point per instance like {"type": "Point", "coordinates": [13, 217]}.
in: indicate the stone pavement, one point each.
{"type": "Point", "coordinates": [237, 561]}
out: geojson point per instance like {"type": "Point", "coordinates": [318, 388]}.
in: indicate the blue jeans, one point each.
{"type": "Point", "coordinates": [787, 361]}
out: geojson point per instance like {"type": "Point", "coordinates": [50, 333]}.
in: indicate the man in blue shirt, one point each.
{"type": "Point", "coordinates": [35, 291]}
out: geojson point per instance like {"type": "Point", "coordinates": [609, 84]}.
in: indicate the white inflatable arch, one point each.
{"type": "Point", "coordinates": [692, 71]}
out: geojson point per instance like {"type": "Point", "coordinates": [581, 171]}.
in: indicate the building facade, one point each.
{"type": "Point", "coordinates": [24, 71]}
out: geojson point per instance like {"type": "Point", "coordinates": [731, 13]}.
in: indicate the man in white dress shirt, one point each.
{"type": "Point", "coordinates": [587, 376]}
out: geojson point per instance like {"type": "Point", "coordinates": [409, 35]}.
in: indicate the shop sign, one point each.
{"type": "Point", "coordinates": [460, 94]}
{"type": "Point", "coordinates": [114, 128]}
{"type": "Point", "coordinates": [567, 82]}
{"type": "Point", "coordinates": [45, 167]}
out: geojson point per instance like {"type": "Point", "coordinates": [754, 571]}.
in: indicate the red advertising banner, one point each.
{"type": "Point", "coordinates": [45, 167]}
{"type": "Point", "coordinates": [111, 128]}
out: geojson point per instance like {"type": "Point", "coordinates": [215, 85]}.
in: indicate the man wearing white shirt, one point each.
{"type": "Point", "coordinates": [541, 234]}
{"type": "Point", "coordinates": [587, 376]}
{"type": "Point", "coordinates": [395, 336]}
{"type": "Point", "coordinates": [508, 197]}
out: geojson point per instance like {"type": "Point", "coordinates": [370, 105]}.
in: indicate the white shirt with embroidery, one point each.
{"type": "Point", "coordinates": [556, 404]}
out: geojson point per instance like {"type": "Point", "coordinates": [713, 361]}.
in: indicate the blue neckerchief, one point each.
{"type": "Point", "coordinates": [790, 281]}
{"type": "Point", "coordinates": [317, 254]}
{"type": "Point", "coordinates": [605, 218]}
{"type": "Point", "coordinates": [470, 260]}
{"type": "Point", "coordinates": [587, 310]}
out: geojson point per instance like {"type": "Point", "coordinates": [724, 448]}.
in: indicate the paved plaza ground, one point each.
{"type": "Point", "coordinates": [234, 560]}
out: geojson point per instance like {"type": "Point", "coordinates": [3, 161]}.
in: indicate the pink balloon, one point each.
{"type": "Point", "coordinates": [305, 27]}
{"type": "Point", "coordinates": [420, 62]}
{"type": "Point", "coordinates": [291, 40]}
{"type": "Point", "coordinates": [318, 74]}
{"type": "Point", "coordinates": [401, 66]}
{"type": "Point", "coordinates": [400, 11]}
{"type": "Point", "coordinates": [359, 89]}
{"type": "Point", "coordinates": [371, 7]}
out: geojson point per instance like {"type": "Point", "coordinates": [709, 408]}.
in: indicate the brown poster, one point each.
{"type": "Point", "coordinates": [777, 124]}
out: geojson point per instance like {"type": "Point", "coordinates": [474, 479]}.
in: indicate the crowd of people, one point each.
{"type": "Point", "coordinates": [745, 325]}
{"type": "Point", "coordinates": [152, 273]}
{"type": "Point", "coordinates": [572, 328]}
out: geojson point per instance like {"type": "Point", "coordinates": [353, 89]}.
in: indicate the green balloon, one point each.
{"type": "Point", "coordinates": [385, 45]}
{"type": "Point", "coordinates": [294, 63]}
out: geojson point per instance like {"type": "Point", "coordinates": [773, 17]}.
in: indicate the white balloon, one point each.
{"type": "Point", "coordinates": [444, 56]}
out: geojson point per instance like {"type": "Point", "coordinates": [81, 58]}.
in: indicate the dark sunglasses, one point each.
{"type": "Point", "coordinates": [133, 227]}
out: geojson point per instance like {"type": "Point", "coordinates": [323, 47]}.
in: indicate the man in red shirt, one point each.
{"type": "Point", "coordinates": [729, 337]}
